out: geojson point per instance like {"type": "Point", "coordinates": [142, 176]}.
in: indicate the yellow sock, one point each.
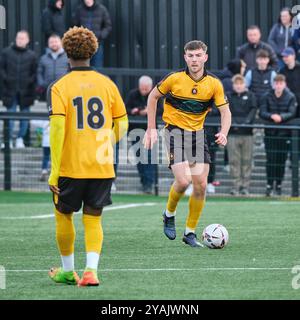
{"type": "Point", "coordinates": [173, 200]}
{"type": "Point", "coordinates": [65, 233]}
{"type": "Point", "coordinates": [93, 233]}
{"type": "Point", "coordinates": [195, 210]}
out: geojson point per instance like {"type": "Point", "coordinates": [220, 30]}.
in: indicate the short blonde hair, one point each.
{"type": "Point", "coordinates": [80, 43]}
{"type": "Point", "coordinates": [238, 78]}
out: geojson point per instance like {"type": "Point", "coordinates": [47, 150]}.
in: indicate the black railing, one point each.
{"type": "Point", "coordinates": [293, 126]}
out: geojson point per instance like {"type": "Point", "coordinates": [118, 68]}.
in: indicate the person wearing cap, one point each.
{"type": "Point", "coordinates": [291, 70]}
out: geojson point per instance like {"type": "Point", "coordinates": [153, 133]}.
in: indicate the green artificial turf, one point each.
{"type": "Point", "coordinates": [139, 262]}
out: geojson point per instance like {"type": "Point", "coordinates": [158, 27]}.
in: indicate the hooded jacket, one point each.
{"type": "Point", "coordinates": [53, 20]}
{"type": "Point", "coordinates": [280, 37]}
{"type": "Point", "coordinates": [18, 70]}
{"type": "Point", "coordinates": [95, 18]}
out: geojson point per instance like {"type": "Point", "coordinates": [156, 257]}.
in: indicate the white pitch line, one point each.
{"type": "Point", "coordinates": [172, 269]}
{"type": "Point", "coordinates": [46, 216]}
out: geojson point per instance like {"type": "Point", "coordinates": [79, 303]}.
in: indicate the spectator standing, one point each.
{"type": "Point", "coordinates": [136, 106]}
{"type": "Point", "coordinates": [52, 65]}
{"type": "Point", "coordinates": [281, 34]}
{"type": "Point", "coordinates": [53, 21]}
{"type": "Point", "coordinates": [277, 106]}
{"type": "Point", "coordinates": [296, 37]}
{"type": "Point", "coordinates": [45, 127]}
{"type": "Point", "coordinates": [94, 16]}
{"type": "Point", "coordinates": [18, 67]}
{"type": "Point", "coordinates": [260, 79]}
{"type": "Point", "coordinates": [248, 51]}
{"type": "Point", "coordinates": [243, 108]}
{"type": "Point", "coordinates": [291, 70]}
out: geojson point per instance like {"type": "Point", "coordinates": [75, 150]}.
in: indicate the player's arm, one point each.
{"type": "Point", "coordinates": [223, 106]}
{"type": "Point", "coordinates": [120, 128]}
{"type": "Point", "coordinates": [225, 125]}
{"type": "Point", "coordinates": [57, 138]}
{"type": "Point", "coordinates": [57, 113]}
{"type": "Point", "coordinates": [119, 116]}
{"type": "Point", "coordinates": [151, 133]}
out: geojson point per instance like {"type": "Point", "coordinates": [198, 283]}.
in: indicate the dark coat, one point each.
{"type": "Point", "coordinates": [50, 69]}
{"type": "Point", "coordinates": [243, 109]}
{"type": "Point", "coordinates": [285, 106]}
{"type": "Point", "coordinates": [18, 68]}
{"type": "Point", "coordinates": [95, 18]}
{"type": "Point", "coordinates": [53, 20]}
{"type": "Point", "coordinates": [248, 51]}
{"type": "Point", "coordinates": [233, 67]}
{"type": "Point", "coordinates": [293, 81]}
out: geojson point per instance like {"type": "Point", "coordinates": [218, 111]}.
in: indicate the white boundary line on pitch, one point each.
{"type": "Point", "coordinates": [46, 216]}
{"type": "Point", "coordinates": [172, 269]}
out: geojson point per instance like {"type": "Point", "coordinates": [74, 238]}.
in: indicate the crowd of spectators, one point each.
{"type": "Point", "coordinates": [262, 81]}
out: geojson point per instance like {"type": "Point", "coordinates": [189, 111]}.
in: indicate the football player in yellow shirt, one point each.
{"type": "Point", "coordinates": [189, 95]}
{"type": "Point", "coordinates": [84, 106]}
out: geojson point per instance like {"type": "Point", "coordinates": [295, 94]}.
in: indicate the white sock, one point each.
{"type": "Point", "coordinates": [68, 262]}
{"type": "Point", "coordinates": [170, 214]}
{"type": "Point", "coordinates": [92, 260]}
{"type": "Point", "coordinates": [188, 230]}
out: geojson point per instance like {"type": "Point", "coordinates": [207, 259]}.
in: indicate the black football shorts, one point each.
{"type": "Point", "coordinates": [94, 193]}
{"type": "Point", "coordinates": [183, 145]}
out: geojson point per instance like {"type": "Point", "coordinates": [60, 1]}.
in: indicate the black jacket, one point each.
{"type": "Point", "coordinates": [233, 67]}
{"type": "Point", "coordinates": [18, 70]}
{"type": "Point", "coordinates": [243, 109]}
{"type": "Point", "coordinates": [247, 52]}
{"type": "Point", "coordinates": [95, 18]}
{"type": "Point", "coordinates": [285, 106]}
{"type": "Point", "coordinates": [261, 81]}
{"type": "Point", "coordinates": [53, 20]}
{"type": "Point", "coordinates": [293, 82]}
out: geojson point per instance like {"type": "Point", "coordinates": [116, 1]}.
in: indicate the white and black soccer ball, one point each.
{"type": "Point", "coordinates": [215, 236]}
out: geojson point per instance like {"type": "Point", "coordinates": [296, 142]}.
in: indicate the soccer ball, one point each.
{"type": "Point", "coordinates": [215, 236]}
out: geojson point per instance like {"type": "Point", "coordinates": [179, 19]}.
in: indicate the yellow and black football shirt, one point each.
{"type": "Point", "coordinates": [188, 101]}
{"type": "Point", "coordinates": [89, 101]}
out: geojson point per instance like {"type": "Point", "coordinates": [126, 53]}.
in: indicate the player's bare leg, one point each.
{"type": "Point", "coordinates": [199, 174]}
{"type": "Point", "coordinates": [181, 173]}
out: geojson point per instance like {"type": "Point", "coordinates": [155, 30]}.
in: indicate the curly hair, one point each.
{"type": "Point", "coordinates": [80, 43]}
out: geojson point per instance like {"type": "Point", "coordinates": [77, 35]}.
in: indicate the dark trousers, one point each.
{"type": "Point", "coordinates": [276, 152]}
{"type": "Point", "coordinates": [146, 170]}
{"type": "Point", "coordinates": [46, 158]}
{"type": "Point", "coordinates": [213, 147]}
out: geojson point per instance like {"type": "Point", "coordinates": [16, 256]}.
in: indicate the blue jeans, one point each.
{"type": "Point", "coordinates": [23, 123]}
{"type": "Point", "coordinates": [97, 59]}
{"type": "Point", "coordinates": [146, 171]}
{"type": "Point", "coordinates": [46, 158]}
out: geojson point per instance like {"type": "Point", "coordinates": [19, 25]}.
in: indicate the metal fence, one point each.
{"type": "Point", "coordinates": [20, 168]}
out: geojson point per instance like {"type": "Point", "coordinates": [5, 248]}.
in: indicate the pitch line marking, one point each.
{"type": "Point", "coordinates": [46, 216]}
{"type": "Point", "coordinates": [172, 269]}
